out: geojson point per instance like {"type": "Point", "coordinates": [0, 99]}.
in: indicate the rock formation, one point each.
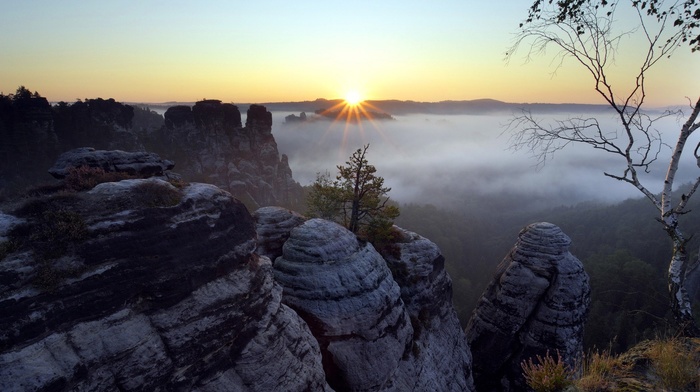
{"type": "Point", "coordinates": [209, 144]}
{"type": "Point", "coordinates": [344, 291]}
{"type": "Point", "coordinates": [376, 333]}
{"type": "Point", "coordinates": [104, 124]}
{"type": "Point", "coordinates": [536, 304]}
{"type": "Point", "coordinates": [208, 141]}
{"type": "Point", "coordinates": [441, 359]}
{"type": "Point", "coordinates": [138, 285]}
{"type": "Point", "coordinates": [28, 142]}
{"type": "Point", "coordinates": [141, 164]}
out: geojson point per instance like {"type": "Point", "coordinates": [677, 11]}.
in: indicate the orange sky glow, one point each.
{"type": "Point", "coordinates": [271, 52]}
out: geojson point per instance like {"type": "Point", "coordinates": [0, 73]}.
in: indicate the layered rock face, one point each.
{"type": "Point", "coordinates": [138, 285]}
{"type": "Point", "coordinates": [345, 293]}
{"type": "Point", "coordinates": [535, 305]}
{"type": "Point", "coordinates": [141, 164]}
{"type": "Point", "coordinates": [376, 333]}
{"type": "Point", "coordinates": [441, 359]}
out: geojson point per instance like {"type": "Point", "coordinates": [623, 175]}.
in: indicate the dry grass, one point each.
{"type": "Point", "coordinates": [547, 374]}
{"type": "Point", "coordinates": [85, 178]}
{"type": "Point", "coordinates": [674, 364]}
{"type": "Point", "coordinates": [600, 372]}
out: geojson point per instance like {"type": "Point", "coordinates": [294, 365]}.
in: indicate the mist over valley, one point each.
{"type": "Point", "coordinates": [462, 160]}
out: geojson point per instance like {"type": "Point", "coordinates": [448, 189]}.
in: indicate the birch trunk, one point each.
{"type": "Point", "coordinates": [680, 302]}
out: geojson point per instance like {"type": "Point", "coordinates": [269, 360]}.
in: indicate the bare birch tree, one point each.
{"type": "Point", "coordinates": [583, 30]}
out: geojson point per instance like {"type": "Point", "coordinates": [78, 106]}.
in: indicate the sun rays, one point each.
{"type": "Point", "coordinates": [353, 112]}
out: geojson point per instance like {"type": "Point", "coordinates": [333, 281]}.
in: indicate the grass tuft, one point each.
{"type": "Point", "coordinates": [674, 364]}
{"type": "Point", "coordinates": [547, 374]}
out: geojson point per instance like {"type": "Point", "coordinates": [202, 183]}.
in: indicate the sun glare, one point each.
{"type": "Point", "coordinates": [353, 98]}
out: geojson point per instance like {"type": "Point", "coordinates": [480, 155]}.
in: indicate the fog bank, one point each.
{"type": "Point", "coordinates": [454, 160]}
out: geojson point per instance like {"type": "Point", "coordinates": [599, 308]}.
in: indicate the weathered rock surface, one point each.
{"type": "Point", "coordinates": [358, 309]}
{"type": "Point", "coordinates": [116, 290]}
{"type": "Point", "coordinates": [273, 225]}
{"type": "Point", "coordinates": [440, 358]}
{"type": "Point", "coordinates": [344, 291]}
{"type": "Point", "coordinates": [142, 164]}
{"type": "Point", "coordinates": [536, 303]}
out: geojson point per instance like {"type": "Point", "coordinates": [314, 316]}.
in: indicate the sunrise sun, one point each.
{"type": "Point", "coordinates": [353, 97]}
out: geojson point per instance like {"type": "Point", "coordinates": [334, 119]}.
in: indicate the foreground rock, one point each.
{"type": "Point", "coordinates": [140, 164]}
{"type": "Point", "coordinates": [345, 293]}
{"type": "Point", "coordinates": [440, 358]}
{"type": "Point", "coordinates": [536, 304]}
{"type": "Point", "coordinates": [138, 285]}
{"type": "Point", "coordinates": [375, 333]}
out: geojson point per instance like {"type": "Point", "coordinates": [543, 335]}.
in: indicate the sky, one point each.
{"type": "Point", "coordinates": [272, 51]}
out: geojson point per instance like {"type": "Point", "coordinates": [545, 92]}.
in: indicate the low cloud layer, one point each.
{"type": "Point", "coordinates": [447, 160]}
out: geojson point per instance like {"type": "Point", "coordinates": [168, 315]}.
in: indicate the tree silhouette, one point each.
{"type": "Point", "coordinates": [356, 198]}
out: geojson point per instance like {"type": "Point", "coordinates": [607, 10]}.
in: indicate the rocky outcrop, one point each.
{"type": "Point", "coordinates": [28, 141]}
{"type": "Point", "coordinates": [344, 291]}
{"type": "Point", "coordinates": [99, 123]}
{"type": "Point", "coordinates": [379, 328]}
{"type": "Point", "coordinates": [440, 358]}
{"type": "Point", "coordinates": [210, 145]}
{"type": "Point", "coordinates": [273, 225]}
{"type": "Point", "coordinates": [536, 304]}
{"type": "Point", "coordinates": [138, 285]}
{"type": "Point", "coordinates": [141, 164]}
{"type": "Point", "coordinates": [208, 141]}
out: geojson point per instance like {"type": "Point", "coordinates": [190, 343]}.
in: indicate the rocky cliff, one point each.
{"type": "Point", "coordinates": [536, 304]}
{"type": "Point", "coordinates": [208, 142]}
{"type": "Point", "coordinates": [384, 322]}
{"type": "Point", "coordinates": [138, 285]}
{"type": "Point", "coordinates": [157, 284]}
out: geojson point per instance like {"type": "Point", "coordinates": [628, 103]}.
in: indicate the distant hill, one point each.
{"type": "Point", "coordinates": [397, 107]}
{"type": "Point", "coordinates": [478, 106]}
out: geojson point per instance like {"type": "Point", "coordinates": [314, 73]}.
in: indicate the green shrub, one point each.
{"type": "Point", "coordinates": [547, 374]}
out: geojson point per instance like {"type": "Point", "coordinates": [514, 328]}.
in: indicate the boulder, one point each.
{"type": "Point", "coordinates": [141, 164]}
{"type": "Point", "coordinates": [536, 304]}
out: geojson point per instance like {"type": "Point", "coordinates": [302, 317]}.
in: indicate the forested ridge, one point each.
{"type": "Point", "coordinates": [620, 244]}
